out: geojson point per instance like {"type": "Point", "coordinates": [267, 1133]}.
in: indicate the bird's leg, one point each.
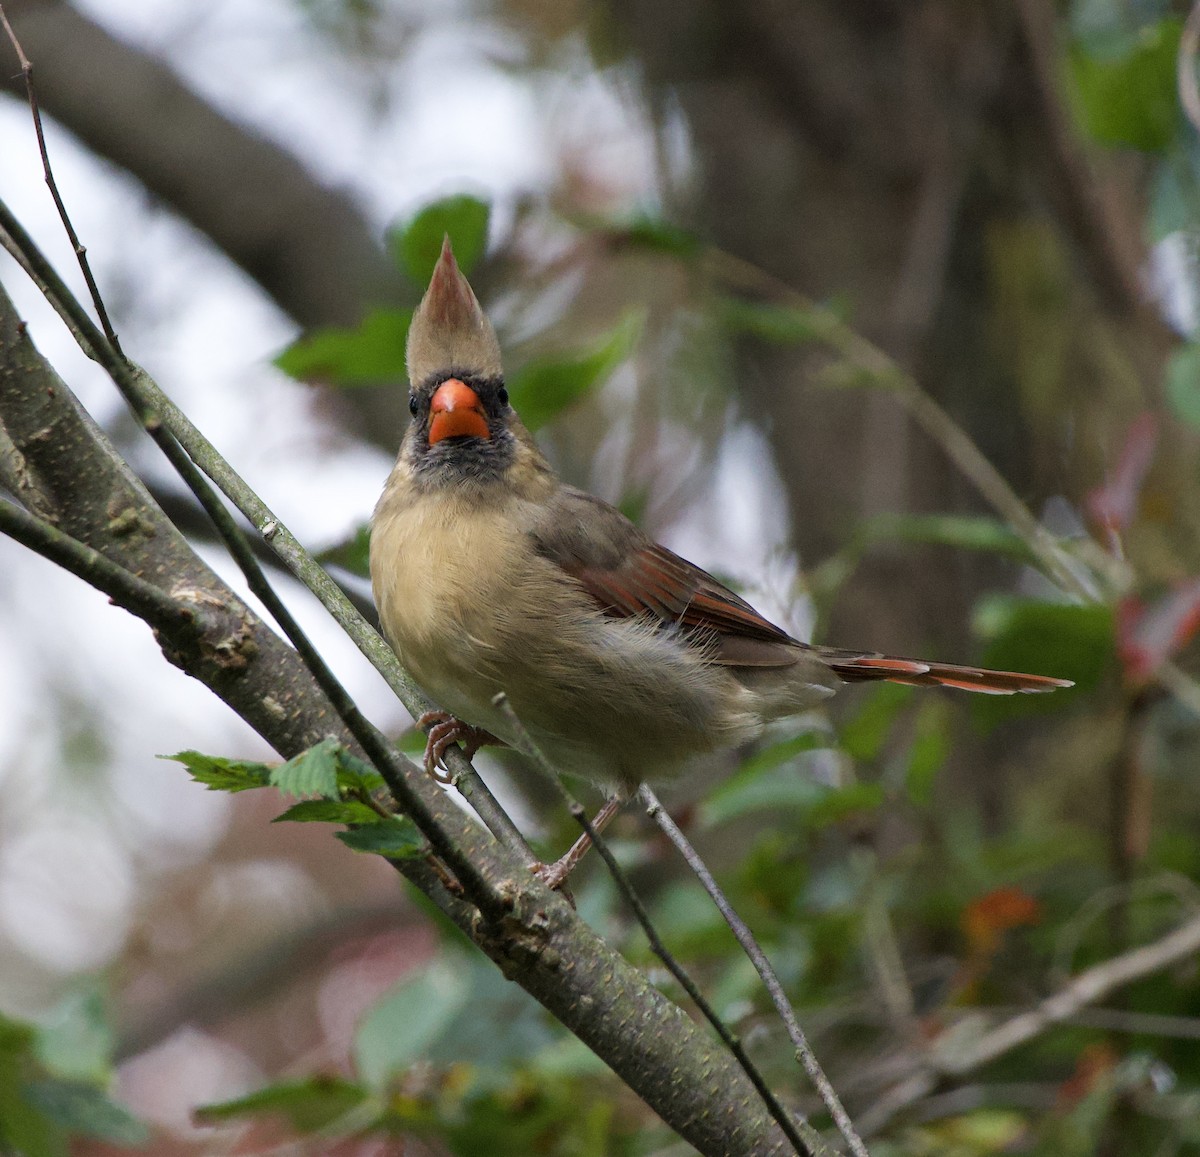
{"type": "Point", "coordinates": [444, 731]}
{"type": "Point", "coordinates": [555, 875]}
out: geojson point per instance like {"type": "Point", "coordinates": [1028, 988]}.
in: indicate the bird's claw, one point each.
{"type": "Point", "coordinates": [443, 732]}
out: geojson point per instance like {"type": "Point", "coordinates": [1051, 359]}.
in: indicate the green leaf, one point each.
{"type": "Point", "coordinates": [963, 531]}
{"type": "Point", "coordinates": [396, 838]}
{"type": "Point", "coordinates": [1063, 640]}
{"type": "Point", "coordinates": [1182, 384]}
{"type": "Point", "coordinates": [309, 1105]}
{"type": "Point", "coordinates": [328, 811]}
{"type": "Point", "coordinates": [864, 734]}
{"type": "Point", "coordinates": [219, 774]}
{"type": "Point", "coordinates": [354, 774]}
{"type": "Point", "coordinates": [418, 244]}
{"type": "Point", "coordinates": [784, 324]}
{"type": "Point", "coordinates": [365, 354]}
{"type": "Point", "coordinates": [84, 1109]}
{"type": "Point", "coordinates": [312, 772]}
{"type": "Point", "coordinates": [930, 747]}
{"type": "Point", "coordinates": [353, 555]}
{"type": "Point", "coordinates": [766, 781]}
{"type": "Point", "coordinates": [401, 1028]}
{"type": "Point", "coordinates": [75, 1041]}
{"type": "Point", "coordinates": [1130, 98]}
{"type": "Point", "coordinates": [544, 387]}
{"type": "Point", "coordinates": [655, 234]}
{"type": "Point", "coordinates": [834, 804]}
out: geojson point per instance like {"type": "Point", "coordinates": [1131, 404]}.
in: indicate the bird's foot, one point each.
{"type": "Point", "coordinates": [554, 876]}
{"type": "Point", "coordinates": [442, 732]}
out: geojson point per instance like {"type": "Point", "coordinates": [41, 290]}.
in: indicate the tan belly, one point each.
{"type": "Point", "coordinates": [471, 611]}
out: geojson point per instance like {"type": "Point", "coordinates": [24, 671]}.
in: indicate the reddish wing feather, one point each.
{"type": "Point", "coordinates": [656, 581]}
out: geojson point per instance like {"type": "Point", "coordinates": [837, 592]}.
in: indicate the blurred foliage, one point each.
{"type": "Point", "coordinates": [54, 1080]}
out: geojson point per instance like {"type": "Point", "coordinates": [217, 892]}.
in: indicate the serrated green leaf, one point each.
{"type": "Point", "coordinates": [418, 244]}
{"type": "Point", "coordinates": [328, 811]}
{"type": "Point", "coordinates": [84, 1109]}
{"type": "Point", "coordinates": [544, 387]}
{"type": "Point", "coordinates": [1182, 384]}
{"type": "Point", "coordinates": [353, 554]}
{"type": "Point", "coordinates": [401, 1028]}
{"type": "Point", "coordinates": [365, 354]}
{"type": "Point", "coordinates": [218, 774]}
{"type": "Point", "coordinates": [354, 774]}
{"type": "Point", "coordinates": [309, 1105]}
{"type": "Point", "coordinates": [1130, 99]}
{"type": "Point", "coordinates": [396, 838]}
{"type": "Point", "coordinates": [312, 772]}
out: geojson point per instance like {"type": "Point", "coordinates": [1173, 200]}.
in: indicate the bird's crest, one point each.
{"type": "Point", "coordinates": [449, 330]}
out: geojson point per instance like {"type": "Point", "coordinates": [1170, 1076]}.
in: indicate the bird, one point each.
{"type": "Point", "coordinates": [622, 661]}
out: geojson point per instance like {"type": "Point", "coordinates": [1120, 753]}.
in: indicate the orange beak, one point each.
{"type": "Point", "coordinates": [455, 411]}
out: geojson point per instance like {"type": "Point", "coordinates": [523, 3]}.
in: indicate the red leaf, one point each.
{"type": "Point", "coordinates": [1148, 636]}
{"type": "Point", "coordinates": [1113, 504]}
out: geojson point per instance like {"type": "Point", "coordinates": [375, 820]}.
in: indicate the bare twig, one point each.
{"type": "Point", "coordinates": [1087, 988]}
{"type": "Point", "coordinates": [956, 1057]}
{"type": "Point", "coordinates": [80, 251]}
{"type": "Point", "coordinates": [750, 946]}
{"type": "Point", "coordinates": [807, 1146]}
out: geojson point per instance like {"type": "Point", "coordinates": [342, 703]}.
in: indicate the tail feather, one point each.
{"type": "Point", "coordinates": [858, 667]}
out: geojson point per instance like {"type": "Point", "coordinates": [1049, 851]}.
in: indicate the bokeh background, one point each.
{"type": "Point", "coordinates": [729, 249]}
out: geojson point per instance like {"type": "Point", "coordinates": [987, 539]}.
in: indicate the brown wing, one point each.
{"type": "Point", "coordinates": [628, 574]}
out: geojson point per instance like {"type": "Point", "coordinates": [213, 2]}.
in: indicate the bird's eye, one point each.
{"type": "Point", "coordinates": [412, 404]}
{"type": "Point", "coordinates": [503, 396]}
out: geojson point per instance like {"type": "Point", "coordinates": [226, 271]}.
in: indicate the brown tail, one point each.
{"type": "Point", "coordinates": [858, 667]}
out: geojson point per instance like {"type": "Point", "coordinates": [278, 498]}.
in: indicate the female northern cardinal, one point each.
{"type": "Point", "coordinates": [621, 659]}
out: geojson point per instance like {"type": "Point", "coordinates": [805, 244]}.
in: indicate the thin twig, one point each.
{"type": "Point", "coordinates": [750, 946]}
{"type": "Point", "coordinates": [957, 1057]}
{"type": "Point", "coordinates": [806, 1147]}
{"type": "Point", "coordinates": [1087, 988]}
{"type": "Point", "coordinates": [80, 250]}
